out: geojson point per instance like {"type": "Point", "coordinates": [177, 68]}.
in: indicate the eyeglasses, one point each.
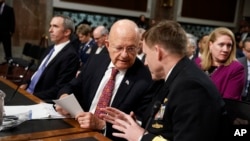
{"type": "Point", "coordinates": [98, 37]}
{"type": "Point", "coordinates": [128, 49]}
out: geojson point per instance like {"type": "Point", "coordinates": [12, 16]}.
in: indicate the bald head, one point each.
{"type": "Point", "coordinates": [122, 43]}
{"type": "Point", "coordinates": [100, 34]}
{"type": "Point", "coordinates": [100, 30]}
{"type": "Point", "coordinates": [124, 27]}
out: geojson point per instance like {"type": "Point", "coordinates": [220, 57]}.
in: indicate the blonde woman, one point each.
{"type": "Point", "coordinates": [219, 62]}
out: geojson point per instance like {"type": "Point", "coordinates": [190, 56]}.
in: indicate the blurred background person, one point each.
{"type": "Point", "coordinates": [245, 61]}
{"type": "Point", "coordinates": [88, 44]}
{"type": "Point", "coordinates": [7, 28]}
{"type": "Point", "coordinates": [100, 35]}
{"type": "Point", "coordinates": [140, 53]}
{"type": "Point", "coordinates": [218, 60]}
{"type": "Point", "coordinates": [59, 63]}
{"type": "Point", "coordinates": [240, 36]}
{"type": "Point", "coordinates": [142, 22]}
{"type": "Point", "coordinates": [191, 46]}
{"type": "Point", "coordinates": [201, 45]}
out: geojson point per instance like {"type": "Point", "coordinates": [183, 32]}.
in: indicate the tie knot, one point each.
{"type": "Point", "coordinates": [114, 73]}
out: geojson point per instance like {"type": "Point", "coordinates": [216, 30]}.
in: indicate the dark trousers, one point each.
{"type": "Point", "coordinates": [5, 39]}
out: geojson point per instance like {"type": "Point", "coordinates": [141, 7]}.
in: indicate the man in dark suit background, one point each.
{"type": "Point", "coordinates": [240, 36]}
{"type": "Point", "coordinates": [140, 53]}
{"type": "Point", "coordinates": [100, 35]}
{"type": "Point", "coordinates": [60, 67]}
{"type": "Point", "coordinates": [245, 61]}
{"type": "Point", "coordinates": [132, 80]}
{"type": "Point", "coordinates": [189, 106]}
{"type": "Point", "coordinates": [7, 28]}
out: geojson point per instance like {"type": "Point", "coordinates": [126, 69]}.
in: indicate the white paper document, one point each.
{"type": "Point", "coordinates": [37, 111]}
{"type": "Point", "coordinates": [70, 104]}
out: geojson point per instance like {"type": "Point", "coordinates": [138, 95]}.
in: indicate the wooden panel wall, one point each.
{"type": "Point", "coordinates": [216, 10]}
{"type": "Point", "coordinates": [136, 5]}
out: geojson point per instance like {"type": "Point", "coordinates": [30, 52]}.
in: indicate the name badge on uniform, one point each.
{"type": "Point", "coordinates": [160, 113]}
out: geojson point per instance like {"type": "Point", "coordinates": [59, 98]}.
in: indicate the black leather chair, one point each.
{"type": "Point", "coordinates": [21, 61]}
{"type": "Point", "coordinates": [237, 109]}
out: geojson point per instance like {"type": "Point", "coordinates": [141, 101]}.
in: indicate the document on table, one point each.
{"type": "Point", "coordinates": [38, 111]}
{"type": "Point", "coordinates": [70, 104]}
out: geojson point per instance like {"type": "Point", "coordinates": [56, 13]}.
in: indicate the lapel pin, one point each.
{"type": "Point", "coordinates": [127, 82]}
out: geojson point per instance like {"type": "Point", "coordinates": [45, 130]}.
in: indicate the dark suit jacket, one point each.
{"type": "Point", "coordinates": [58, 72]}
{"type": "Point", "coordinates": [87, 50]}
{"type": "Point", "coordinates": [7, 20]}
{"type": "Point", "coordinates": [130, 95]}
{"type": "Point", "coordinates": [193, 106]}
{"type": "Point", "coordinates": [243, 61]}
{"type": "Point", "coordinates": [104, 50]}
{"type": "Point", "coordinates": [92, 53]}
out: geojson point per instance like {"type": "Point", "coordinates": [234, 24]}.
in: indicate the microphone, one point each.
{"type": "Point", "coordinates": [24, 75]}
{"type": "Point", "coordinates": [9, 69]}
{"type": "Point", "coordinates": [155, 109]}
{"type": "Point", "coordinates": [30, 64]}
{"type": "Point", "coordinates": [11, 61]}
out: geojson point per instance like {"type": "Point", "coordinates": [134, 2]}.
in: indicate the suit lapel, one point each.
{"type": "Point", "coordinates": [102, 67]}
{"type": "Point", "coordinates": [126, 84]}
{"type": "Point", "coordinates": [163, 92]}
{"type": "Point", "coordinates": [176, 70]}
{"type": "Point", "coordinates": [59, 54]}
{"type": "Point", "coordinates": [123, 90]}
{"type": "Point", "coordinates": [246, 66]}
{"type": "Point", "coordinates": [97, 78]}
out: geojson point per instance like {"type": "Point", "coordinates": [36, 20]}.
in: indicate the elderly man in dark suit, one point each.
{"type": "Point", "coordinates": [131, 82]}
{"type": "Point", "coordinates": [59, 64]}
{"type": "Point", "coordinates": [100, 35]}
{"type": "Point", "coordinates": [7, 28]}
{"type": "Point", "coordinates": [188, 107]}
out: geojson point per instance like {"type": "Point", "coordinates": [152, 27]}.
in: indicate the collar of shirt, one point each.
{"type": "Point", "coordinates": [169, 73]}
{"type": "Point", "coordinates": [243, 36]}
{"type": "Point", "coordinates": [99, 49]}
{"type": "Point", "coordinates": [111, 65]}
{"type": "Point", "coordinates": [248, 70]}
{"type": "Point", "coordinates": [87, 43]}
{"type": "Point", "coordinates": [191, 57]}
{"type": "Point", "coordinates": [1, 9]}
{"type": "Point", "coordinates": [248, 63]}
{"type": "Point", "coordinates": [140, 56]}
{"type": "Point", "coordinates": [57, 48]}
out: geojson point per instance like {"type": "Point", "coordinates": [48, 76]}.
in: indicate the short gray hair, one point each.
{"type": "Point", "coordinates": [67, 23]}
{"type": "Point", "coordinates": [192, 40]}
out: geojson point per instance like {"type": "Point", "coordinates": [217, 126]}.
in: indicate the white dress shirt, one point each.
{"type": "Point", "coordinates": [118, 80]}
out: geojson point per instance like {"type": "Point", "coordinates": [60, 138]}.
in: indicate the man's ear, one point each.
{"type": "Point", "coordinates": [107, 43]}
{"type": "Point", "coordinates": [67, 32]}
{"type": "Point", "coordinates": [158, 52]}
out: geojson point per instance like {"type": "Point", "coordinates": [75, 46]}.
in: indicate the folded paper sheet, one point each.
{"type": "Point", "coordinates": [38, 111]}
{"type": "Point", "coordinates": [70, 104]}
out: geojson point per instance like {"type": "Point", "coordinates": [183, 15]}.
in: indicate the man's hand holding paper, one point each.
{"type": "Point", "coordinates": [68, 105]}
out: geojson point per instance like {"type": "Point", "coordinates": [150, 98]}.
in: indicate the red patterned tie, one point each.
{"type": "Point", "coordinates": [106, 93]}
